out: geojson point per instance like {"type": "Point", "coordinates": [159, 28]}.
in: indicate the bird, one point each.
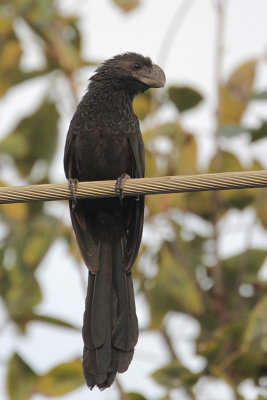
{"type": "Point", "coordinates": [104, 142]}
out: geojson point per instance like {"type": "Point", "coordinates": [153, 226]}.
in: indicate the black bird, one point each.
{"type": "Point", "coordinates": [104, 142]}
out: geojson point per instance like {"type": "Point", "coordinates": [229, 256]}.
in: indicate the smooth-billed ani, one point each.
{"type": "Point", "coordinates": [104, 142]}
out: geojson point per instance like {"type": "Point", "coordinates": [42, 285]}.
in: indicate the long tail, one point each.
{"type": "Point", "coordinates": [110, 327]}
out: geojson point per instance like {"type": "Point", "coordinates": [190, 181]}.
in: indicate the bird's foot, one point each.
{"type": "Point", "coordinates": [119, 185]}
{"type": "Point", "coordinates": [73, 188]}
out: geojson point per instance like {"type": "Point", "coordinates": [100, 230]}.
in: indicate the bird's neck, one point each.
{"type": "Point", "coordinates": [110, 94]}
{"type": "Point", "coordinates": [117, 87]}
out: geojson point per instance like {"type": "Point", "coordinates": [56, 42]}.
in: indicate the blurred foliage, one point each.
{"type": "Point", "coordinates": [126, 5]}
{"type": "Point", "coordinates": [175, 375]}
{"type": "Point", "coordinates": [184, 97]}
{"type": "Point", "coordinates": [225, 295]}
{"type": "Point", "coordinates": [235, 92]}
{"type": "Point", "coordinates": [29, 231]}
{"type": "Point", "coordinates": [23, 382]}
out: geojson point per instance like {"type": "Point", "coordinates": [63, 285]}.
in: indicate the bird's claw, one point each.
{"type": "Point", "coordinates": [73, 188]}
{"type": "Point", "coordinates": [119, 185]}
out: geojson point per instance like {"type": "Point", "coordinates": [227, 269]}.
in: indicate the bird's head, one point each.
{"type": "Point", "coordinates": [131, 71]}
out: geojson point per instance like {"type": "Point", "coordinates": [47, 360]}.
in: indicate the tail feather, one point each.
{"type": "Point", "coordinates": [110, 328]}
{"type": "Point", "coordinates": [102, 294]}
{"type": "Point", "coordinates": [125, 331]}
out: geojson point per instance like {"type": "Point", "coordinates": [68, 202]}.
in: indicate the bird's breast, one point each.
{"type": "Point", "coordinates": [105, 151]}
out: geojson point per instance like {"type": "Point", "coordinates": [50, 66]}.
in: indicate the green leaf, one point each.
{"type": "Point", "coordinates": [14, 212]}
{"type": "Point", "coordinates": [37, 13]}
{"type": "Point", "coordinates": [250, 364]}
{"type": "Point", "coordinates": [21, 297]}
{"type": "Point", "coordinates": [243, 268]}
{"type": "Point", "coordinates": [224, 161]}
{"type": "Point", "coordinates": [181, 159]}
{"type": "Point", "coordinates": [261, 207]}
{"type": "Point", "coordinates": [29, 243]}
{"type": "Point", "coordinates": [230, 130]}
{"type": "Point", "coordinates": [38, 137]}
{"type": "Point", "coordinates": [186, 162]}
{"type": "Point", "coordinates": [52, 320]}
{"type": "Point", "coordinates": [10, 54]}
{"type": "Point", "coordinates": [175, 375]}
{"type": "Point", "coordinates": [166, 396]}
{"type": "Point", "coordinates": [259, 133]}
{"type": "Point", "coordinates": [184, 97]}
{"type": "Point", "coordinates": [262, 96]}
{"type": "Point", "coordinates": [234, 95]}
{"type": "Point", "coordinates": [172, 289]}
{"type": "Point", "coordinates": [227, 162]}
{"type": "Point", "coordinates": [142, 105]}
{"type": "Point", "coordinates": [212, 340]}
{"type": "Point", "coordinates": [237, 198]}
{"type": "Point", "coordinates": [61, 53]}
{"type": "Point", "coordinates": [41, 233]}
{"type": "Point", "coordinates": [61, 379]}
{"type": "Point", "coordinates": [135, 396]}
{"type": "Point", "coordinates": [256, 331]}
{"type": "Point", "coordinates": [23, 76]}
{"type": "Point", "coordinates": [14, 146]}
{"type": "Point", "coordinates": [126, 5]}
{"type": "Point", "coordinates": [21, 379]}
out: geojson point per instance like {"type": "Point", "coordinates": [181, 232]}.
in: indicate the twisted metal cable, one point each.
{"type": "Point", "coordinates": [131, 187]}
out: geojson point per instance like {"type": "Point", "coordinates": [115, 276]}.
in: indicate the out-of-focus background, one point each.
{"type": "Point", "coordinates": [201, 276]}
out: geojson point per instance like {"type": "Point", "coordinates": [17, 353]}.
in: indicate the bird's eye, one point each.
{"type": "Point", "coordinates": [137, 66]}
